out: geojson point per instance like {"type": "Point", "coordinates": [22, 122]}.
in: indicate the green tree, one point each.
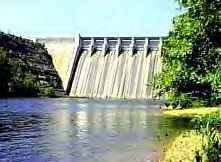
{"type": "Point", "coordinates": [191, 55]}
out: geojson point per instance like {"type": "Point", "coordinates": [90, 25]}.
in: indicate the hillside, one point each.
{"type": "Point", "coordinates": [26, 68]}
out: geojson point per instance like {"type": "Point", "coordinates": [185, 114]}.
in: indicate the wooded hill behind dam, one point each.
{"type": "Point", "coordinates": [106, 67]}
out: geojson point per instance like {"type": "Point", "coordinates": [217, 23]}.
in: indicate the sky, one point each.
{"type": "Point", "coordinates": [42, 18]}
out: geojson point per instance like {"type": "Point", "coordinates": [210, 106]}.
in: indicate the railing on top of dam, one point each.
{"type": "Point", "coordinates": [118, 43]}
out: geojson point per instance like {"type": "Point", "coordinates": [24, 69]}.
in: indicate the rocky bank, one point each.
{"type": "Point", "coordinates": [32, 58]}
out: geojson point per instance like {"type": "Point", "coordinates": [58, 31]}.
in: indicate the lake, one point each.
{"type": "Point", "coordinates": [83, 130]}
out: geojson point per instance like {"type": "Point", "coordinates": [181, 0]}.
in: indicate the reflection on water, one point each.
{"type": "Point", "coordinates": [81, 130]}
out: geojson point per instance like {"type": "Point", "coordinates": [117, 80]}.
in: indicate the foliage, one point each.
{"type": "Point", "coordinates": [23, 85]}
{"type": "Point", "coordinates": [211, 121]}
{"type": "Point", "coordinates": [202, 142]}
{"type": "Point", "coordinates": [16, 81]}
{"type": "Point", "coordinates": [47, 90]}
{"type": "Point", "coordinates": [210, 127]}
{"type": "Point", "coordinates": [191, 55]}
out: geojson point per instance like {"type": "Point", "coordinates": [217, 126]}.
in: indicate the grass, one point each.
{"type": "Point", "coordinates": [191, 112]}
{"type": "Point", "coordinates": [201, 141]}
{"type": "Point", "coordinates": [184, 147]}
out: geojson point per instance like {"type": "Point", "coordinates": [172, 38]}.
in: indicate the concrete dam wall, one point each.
{"type": "Point", "coordinates": [106, 67]}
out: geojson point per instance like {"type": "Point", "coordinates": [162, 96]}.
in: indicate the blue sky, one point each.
{"type": "Point", "coordinates": [87, 17]}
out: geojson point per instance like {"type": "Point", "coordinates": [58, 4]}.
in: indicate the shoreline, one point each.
{"type": "Point", "coordinates": [188, 143]}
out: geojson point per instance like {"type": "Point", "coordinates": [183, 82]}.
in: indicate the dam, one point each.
{"type": "Point", "coordinates": [106, 67]}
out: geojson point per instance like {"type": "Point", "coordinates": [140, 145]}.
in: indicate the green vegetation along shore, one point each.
{"type": "Point", "coordinates": [200, 143]}
{"type": "Point", "coordinates": [191, 56]}
{"type": "Point", "coordinates": [191, 76]}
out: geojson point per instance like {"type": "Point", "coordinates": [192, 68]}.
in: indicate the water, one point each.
{"type": "Point", "coordinates": [116, 76]}
{"type": "Point", "coordinates": [82, 130]}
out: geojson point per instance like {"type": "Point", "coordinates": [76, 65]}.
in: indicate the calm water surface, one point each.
{"type": "Point", "coordinates": [82, 130]}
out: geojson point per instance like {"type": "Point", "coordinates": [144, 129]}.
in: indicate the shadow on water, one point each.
{"type": "Point", "coordinates": [83, 130]}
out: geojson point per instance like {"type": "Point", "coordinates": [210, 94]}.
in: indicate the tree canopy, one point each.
{"type": "Point", "coordinates": [191, 55]}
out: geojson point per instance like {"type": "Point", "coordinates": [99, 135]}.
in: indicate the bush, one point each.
{"type": "Point", "coordinates": [191, 55]}
{"type": "Point", "coordinates": [179, 100]}
{"type": "Point", "coordinates": [23, 84]}
{"type": "Point", "coordinates": [47, 90]}
{"type": "Point", "coordinates": [210, 127]}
